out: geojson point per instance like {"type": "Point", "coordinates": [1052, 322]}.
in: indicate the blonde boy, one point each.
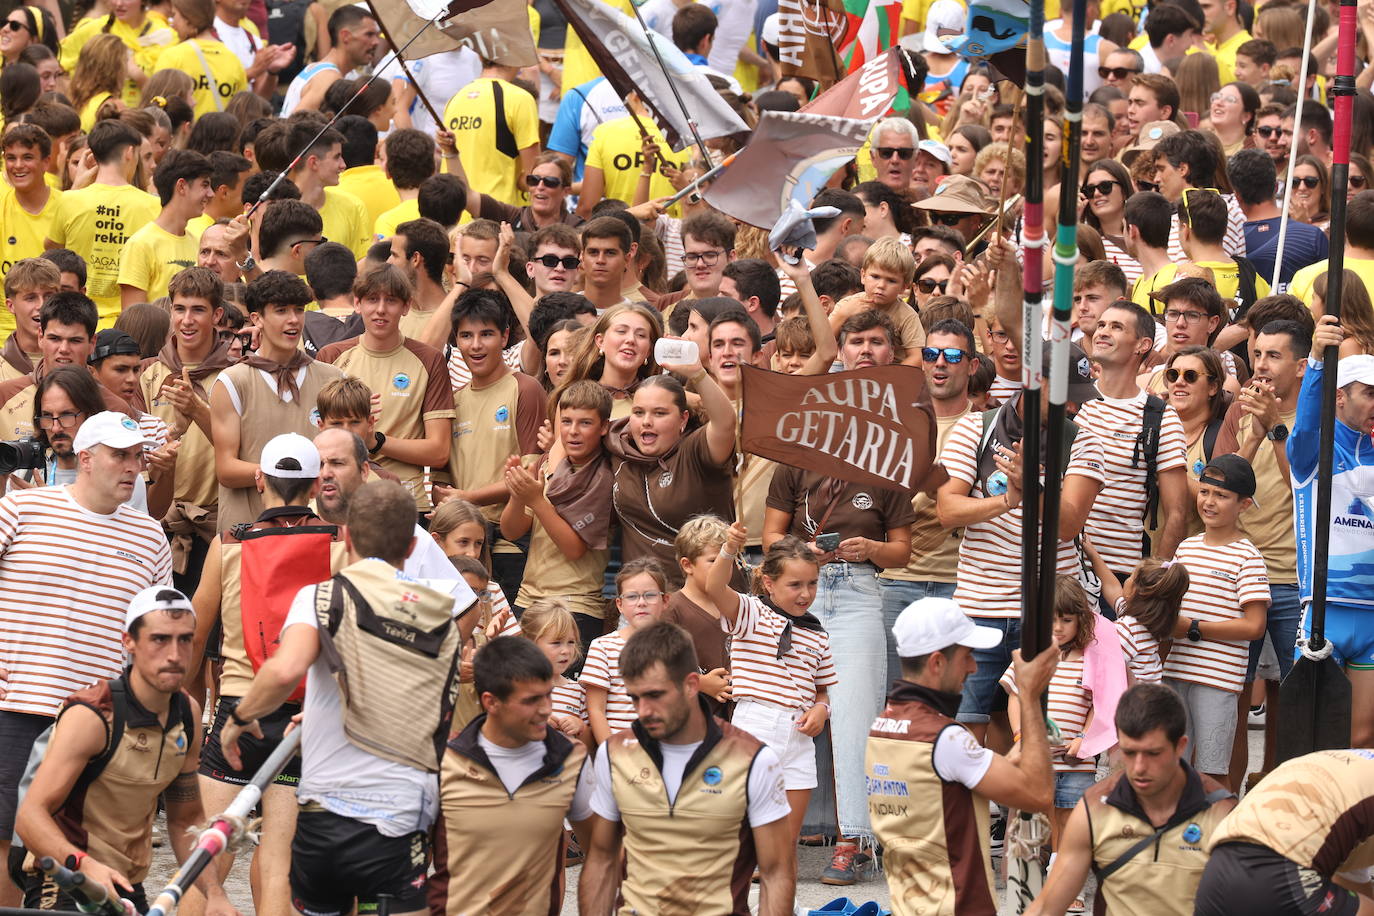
{"type": "Point", "coordinates": [888, 269]}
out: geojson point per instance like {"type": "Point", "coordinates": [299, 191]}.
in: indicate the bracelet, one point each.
{"type": "Point", "coordinates": [1016, 738]}
{"type": "Point", "coordinates": [725, 554]}
{"type": "Point", "coordinates": [698, 377]}
{"type": "Point", "coordinates": [234, 717]}
{"type": "Point", "coordinates": [1006, 500]}
{"type": "Point", "coordinates": [827, 709]}
{"type": "Point", "coordinates": [646, 174]}
{"type": "Point", "coordinates": [462, 284]}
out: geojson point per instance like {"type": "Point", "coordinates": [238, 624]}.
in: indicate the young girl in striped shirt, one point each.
{"type": "Point", "coordinates": [1069, 702]}
{"type": "Point", "coordinates": [641, 593]}
{"type": "Point", "coordinates": [1146, 606]}
{"type": "Point", "coordinates": [550, 625]}
{"type": "Point", "coordinates": [779, 658]}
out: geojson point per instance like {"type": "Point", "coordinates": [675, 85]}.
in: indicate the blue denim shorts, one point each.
{"type": "Point", "coordinates": [1069, 788]}
{"type": "Point", "coordinates": [981, 687]}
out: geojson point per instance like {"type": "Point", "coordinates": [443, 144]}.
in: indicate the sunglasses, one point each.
{"type": "Point", "coordinates": [953, 355]}
{"type": "Point", "coordinates": [548, 181]}
{"type": "Point", "coordinates": [319, 241]}
{"type": "Point", "coordinates": [1103, 188]}
{"type": "Point", "coordinates": [569, 262]}
{"type": "Point", "coordinates": [1142, 185]}
{"type": "Point", "coordinates": [947, 219]}
{"type": "Point", "coordinates": [1306, 181]}
{"type": "Point", "coordinates": [1358, 181]}
{"type": "Point", "coordinates": [1115, 73]}
{"type": "Point", "coordinates": [927, 285]}
{"type": "Point", "coordinates": [1189, 376]}
{"type": "Point", "coordinates": [901, 152]}
{"type": "Point", "coordinates": [1187, 216]}
{"type": "Point", "coordinates": [1267, 132]}
{"type": "Point", "coordinates": [14, 25]}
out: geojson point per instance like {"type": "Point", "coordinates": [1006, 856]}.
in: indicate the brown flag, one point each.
{"type": "Point", "coordinates": [498, 31]}
{"type": "Point", "coordinates": [866, 94]}
{"type": "Point", "coordinates": [870, 426]}
{"type": "Point", "coordinates": [809, 31]}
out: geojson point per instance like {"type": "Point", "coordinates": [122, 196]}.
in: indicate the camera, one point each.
{"type": "Point", "coordinates": [20, 455]}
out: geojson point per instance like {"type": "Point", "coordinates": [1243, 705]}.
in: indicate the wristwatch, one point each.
{"type": "Point", "coordinates": [234, 717]}
{"type": "Point", "coordinates": [247, 264]}
{"type": "Point", "coordinates": [381, 441]}
{"type": "Point", "coordinates": [74, 860]}
{"type": "Point", "coordinates": [1278, 433]}
{"type": "Point", "coordinates": [1195, 632]}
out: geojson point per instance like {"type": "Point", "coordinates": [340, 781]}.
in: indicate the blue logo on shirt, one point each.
{"type": "Point", "coordinates": [712, 776]}
{"type": "Point", "coordinates": [401, 381]}
{"type": "Point", "coordinates": [1192, 833]}
{"type": "Point", "coordinates": [502, 414]}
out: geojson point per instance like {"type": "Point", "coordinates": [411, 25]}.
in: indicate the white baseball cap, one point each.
{"type": "Point", "coordinates": [1355, 369]}
{"type": "Point", "coordinates": [110, 428]}
{"type": "Point", "coordinates": [156, 598]}
{"type": "Point", "coordinates": [944, 19]}
{"type": "Point", "coordinates": [291, 456]}
{"type": "Point", "coordinates": [932, 624]}
{"type": "Point", "coordinates": [936, 149]}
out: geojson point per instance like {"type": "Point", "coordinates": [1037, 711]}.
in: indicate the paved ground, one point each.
{"type": "Point", "coordinates": [810, 892]}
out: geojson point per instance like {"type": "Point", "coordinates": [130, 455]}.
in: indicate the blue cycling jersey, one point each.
{"type": "Point", "coordinates": [1350, 569]}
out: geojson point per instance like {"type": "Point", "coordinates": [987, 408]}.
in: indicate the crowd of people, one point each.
{"type": "Point", "coordinates": [327, 409]}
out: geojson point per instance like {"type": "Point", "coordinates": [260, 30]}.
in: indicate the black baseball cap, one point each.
{"type": "Point", "coordinates": [111, 342]}
{"type": "Point", "coordinates": [1230, 472]}
{"type": "Point", "coordinates": [1082, 388]}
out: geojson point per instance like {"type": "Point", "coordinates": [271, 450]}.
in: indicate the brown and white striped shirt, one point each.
{"type": "Point", "coordinates": [762, 669]}
{"type": "Point", "coordinates": [1068, 703]}
{"type": "Point", "coordinates": [602, 669]}
{"type": "Point", "coordinates": [1222, 579]}
{"type": "Point", "coordinates": [66, 578]}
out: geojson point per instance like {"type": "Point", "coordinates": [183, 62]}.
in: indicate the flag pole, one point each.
{"type": "Point", "coordinates": [701, 179]}
{"type": "Point", "coordinates": [1032, 318]}
{"type": "Point", "coordinates": [267, 192]}
{"type": "Point", "coordinates": [691, 121]}
{"type": "Point", "coordinates": [1065, 259]}
{"type": "Point", "coordinates": [424, 99]}
{"type": "Point", "coordinates": [1293, 144]}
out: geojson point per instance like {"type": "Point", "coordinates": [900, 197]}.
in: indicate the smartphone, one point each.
{"type": "Point", "coordinates": [674, 351]}
{"type": "Point", "coordinates": [828, 542]}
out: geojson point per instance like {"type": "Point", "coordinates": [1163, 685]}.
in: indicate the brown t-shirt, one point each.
{"type": "Point", "coordinates": [856, 511]}
{"type": "Point", "coordinates": [702, 626]}
{"type": "Point", "coordinates": [654, 497]}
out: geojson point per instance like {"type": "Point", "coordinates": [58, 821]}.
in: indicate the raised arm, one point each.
{"type": "Point", "coordinates": [718, 589]}
{"type": "Point", "coordinates": [821, 332]}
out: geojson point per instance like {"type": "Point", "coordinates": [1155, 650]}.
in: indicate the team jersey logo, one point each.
{"type": "Point", "coordinates": [128, 423]}
{"type": "Point", "coordinates": [665, 480]}
{"type": "Point", "coordinates": [862, 502]}
{"type": "Point", "coordinates": [712, 776]}
{"type": "Point", "coordinates": [314, 416]}
{"type": "Point", "coordinates": [502, 414]}
{"type": "Point", "coordinates": [1191, 834]}
{"type": "Point", "coordinates": [400, 381]}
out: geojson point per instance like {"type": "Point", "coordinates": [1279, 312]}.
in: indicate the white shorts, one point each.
{"type": "Point", "coordinates": [776, 727]}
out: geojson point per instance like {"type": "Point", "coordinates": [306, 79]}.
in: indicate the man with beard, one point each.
{"type": "Point", "coordinates": [1144, 831]}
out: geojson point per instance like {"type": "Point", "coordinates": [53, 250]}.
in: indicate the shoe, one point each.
{"type": "Point", "coordinates": [572, 855]}
{"type": "Point", "coordinates": [840, 906]}
{"type": "Point", "coordinates": [1077, 908]}
{"type": "Point", "coordinates": [870, 908]}
{"type": "Point", "coordinates": [996, 835]}
{"type": "Point", "coordinates": [814, 839]}
{"type": "Point", "coordinates": [845, 864]}
{"type": "Point", "coordinates": [1257, 716]}
{"type": "Point", "coordinates": [158, 837]}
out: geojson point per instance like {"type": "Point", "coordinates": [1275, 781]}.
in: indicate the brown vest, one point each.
{"type": "Point", "coordinates": [526, 879]}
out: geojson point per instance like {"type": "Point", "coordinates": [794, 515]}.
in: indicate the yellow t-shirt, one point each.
{"type": "Point", "coordinates": [403, 212]}
{"type": "Point", "coordinates": [147, 42]}
{"type": "Point", "coordinates": [345, 221]}
{"type": "Point", "coordinates": [1303, 280]}
{"type": "Point", "coordinates": [154, 256]}
{"type": "Point", "coordinates": [1226, 278]}
{"type": "Point", "coordinates": [1225, 54]}
{"type": "Point", "coordinates": [369, 184]}
{"type": "Point", "coordinates": [225, 71]}
{"type": "Point", "coordinates": [615, 150]}
{"type": "Point", "coordinates": [199, 224]}
{"type": "Point", "coordinates": [98, 222]}
{"type": "Point", "coordinates": [492, 158]}
{"type": "Point", "coordinates": [21, 236]}
{"type": "Point", "coordinates": [1148, 283]}
{"type": "Point", "coordinates": [88, 111]}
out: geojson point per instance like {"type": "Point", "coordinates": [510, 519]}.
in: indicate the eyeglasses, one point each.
{"type": "Point", "coordinates": [705, 258]}
{"type": "Point", "coordinates": [1358, 181]}
{"type": "Point", "coordinates": [548, 181]}
{"type": "Point", "coordinates": [928, 285]}
{"type": "Point", "coordinates": [1115, 73]}
{"type": "Point", "coordinates": [1142, 185]}
{"type": "Point", "coordinates": [1228, 99]}
{"type": "Point", "coordinates": [948, 219]}
{"type": "Point", "coordinates": [901, 152]}
{"type": "Point", "coordinates": [1306, 181]}
{"type": "Point", "coordinates": [953, 355]}
{"type": "Point", "coordinates": [1102, 187]}
{"type": "Point", "coordinates": [999, 337]}
{"type": "Point", "coordinates": [1189, 376]}
{"type": "Point", "coordinates": [1267, 132]}
{"type": "Point", "coordinates": [569, 262]}
{"type": "Point", "coordinates": [67, 420]}
{"type": "Point", "coordinates": [633, 598]}
{"type": "Point", "coordinates": [1188, 317]}
{"type": "Point", "coordinates": [14, 25]}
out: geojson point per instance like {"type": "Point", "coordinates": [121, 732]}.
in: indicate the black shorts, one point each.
{"type": "Point", "coordinates": [18, 732]}
{"type": "Point", "coordinates": [40, 893]}
{"type": "Point", "coordinates": [254, 751]}
{"type": "Point", "coordinates": [1256, 881]}
{"type": "Point", "coordinates": [336, 860]}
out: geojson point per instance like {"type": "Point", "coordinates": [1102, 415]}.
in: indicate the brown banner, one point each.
{"type": "Point", "coordinates": [870, 426]}
{"type": "Point", "coordinates": [499, 32]}
{"type": "Point", "coordinates": [809, 31]}
{"type": "Point", "coordinates": [864, 95]}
